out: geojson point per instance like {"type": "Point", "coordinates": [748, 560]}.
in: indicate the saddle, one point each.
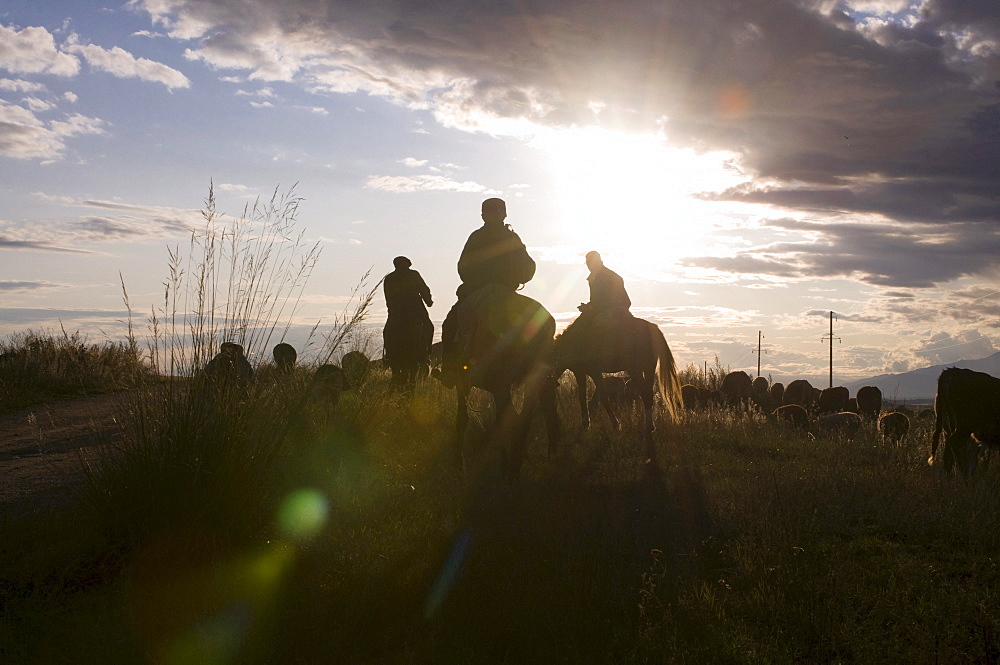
{"type": "Point", "coordinates": [601, 335]}
{"type": "Point", "coordinates": [492, 327]}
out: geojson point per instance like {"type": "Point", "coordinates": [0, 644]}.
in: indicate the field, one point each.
{"type": "Point", "coordinates": [728, 541]}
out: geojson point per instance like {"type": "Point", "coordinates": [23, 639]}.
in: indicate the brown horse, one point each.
{"type": "Point", "coordinates": [631, 345]}
{"type": "Point", "coordinates": [504, 341]}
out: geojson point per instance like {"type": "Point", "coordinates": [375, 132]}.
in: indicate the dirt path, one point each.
{"type": "Point", "coordinates": [43, 449]}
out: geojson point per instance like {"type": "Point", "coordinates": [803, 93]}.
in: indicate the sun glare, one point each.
{"type": "Point", "coordinates": [629, 196]}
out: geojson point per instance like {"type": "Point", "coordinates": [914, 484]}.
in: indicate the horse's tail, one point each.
{"type": "Point", "coordinates": [666, 373]}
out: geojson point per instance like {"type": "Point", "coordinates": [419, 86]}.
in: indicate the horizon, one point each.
{"type": "Point", "coordinates": [744, 170]}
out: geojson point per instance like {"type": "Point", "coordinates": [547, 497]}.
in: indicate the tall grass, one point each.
{"type": "Point", "coordinates": [241, 280]}
{"type": "Point", "coordinates": [708, 377]}
{"type": "Point", "coordinates": [202, 459]}
{"type": "Point", "coordinates": [36, 366]}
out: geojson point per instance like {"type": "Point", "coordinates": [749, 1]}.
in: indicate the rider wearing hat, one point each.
{"type": "Point", "coordinates": [493, 256]}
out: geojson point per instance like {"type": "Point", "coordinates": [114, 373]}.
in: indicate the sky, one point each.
{"type": "Point", "coordinates": [747, 166]}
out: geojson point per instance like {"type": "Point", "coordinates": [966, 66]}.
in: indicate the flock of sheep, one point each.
{"type": "Point", "coordinates": [800, 405]}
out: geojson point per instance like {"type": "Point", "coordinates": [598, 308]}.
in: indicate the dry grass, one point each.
{"type": "Point", "coordinates": [38, 366]}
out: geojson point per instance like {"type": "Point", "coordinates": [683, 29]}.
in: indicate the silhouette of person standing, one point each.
{"type": "Point", "coordinates": [493, 256]}
{"type": "Point", "coordinates": [405, 291]}
{"type": "Point", "coordinates": [408, 331]}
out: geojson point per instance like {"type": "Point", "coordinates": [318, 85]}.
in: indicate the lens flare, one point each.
{"type": "Point", "coordinates": [302, 514]}
{"type": "Point", "coordinates": [446, 578]}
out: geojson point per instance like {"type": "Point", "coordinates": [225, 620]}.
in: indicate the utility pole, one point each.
{"type": "Point", "coordinates": [760, 336]}
{"type": "Point", "coordinates": [831, 338]}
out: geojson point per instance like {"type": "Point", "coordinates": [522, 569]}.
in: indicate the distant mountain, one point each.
{"type": "Point", "coordinates": [921, 384]}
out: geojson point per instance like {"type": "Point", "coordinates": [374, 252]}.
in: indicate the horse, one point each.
{"type": "Point", "coordinates": [407, 341]}
{"type": "Point", "coordinates": [635, 346]}
{"type": "Point", "coordinates": [504, 341]}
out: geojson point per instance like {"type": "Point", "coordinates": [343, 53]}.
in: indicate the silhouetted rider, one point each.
{"type": "Point", "coordinates": [493, 256]}
{"type": "Point", "coordinates": [604, 320]}
{"type": "Point", "coordinates": [607, 288]}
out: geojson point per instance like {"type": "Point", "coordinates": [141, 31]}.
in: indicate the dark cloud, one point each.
{"type": "Point", "coordinates": [20, 316]}
{"type": "Point", "coordinates": [7, 243]}
{"type": "Point", "coordinates": [16, 286]}
{"type": "Point", "coordinates": [144, 222]}
{"type": "Point", "coordinates": [126, 227]}
{"type": "Point", "coordinates": [840, 316]}
{"type": "Point", "coordinates": [823, 111]}
{"type": "Point", "coordinates": [888, 255]}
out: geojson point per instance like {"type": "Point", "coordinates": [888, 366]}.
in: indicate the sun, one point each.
{"type": "Point", "coordinates": [630, 196]}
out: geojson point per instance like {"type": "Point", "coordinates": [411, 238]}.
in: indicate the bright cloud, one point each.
{"type": "Point", "coordinates": [33, 51]}
{"type": "Point", "coordinates": [405, 184]}
{"type": "Point", "coordinates": [25, 136]}
{"type": "Point", "coordinates": [122, 64]}
{"type": "Point", "coordinates": [18, 85]}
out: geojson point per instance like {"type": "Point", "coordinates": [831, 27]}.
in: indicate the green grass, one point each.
{"type": "Point", "coordinates": [735, 543]}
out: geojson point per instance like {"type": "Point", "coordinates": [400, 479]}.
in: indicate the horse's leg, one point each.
{"type": "Point", "coordinates": [504, 429]}
{"type": "Point", "coordinates": [521, 429]}
{"type": "Point", "coordinates": [602, 395]}
{"type": "Point", "coordinates": [547, 403]}
{"type": "Point", "coordinates": [581, 394]}
{"type": "Point", "coordinates": [461, 423]}
{"type": "Point", "coordinates": [409, 378]}
{"type": "Point", "coordinates": [645, 381]}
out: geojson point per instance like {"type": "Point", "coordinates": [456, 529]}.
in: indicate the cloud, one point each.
{"type": "Point", "coordinates": [424, 183]}
{"type": "Point", "coordinates": [11, 243]}
{"type": "Point", "coordinates": [10, 286]}
{"type": "Point", "coordinates": [19, 85]}
{"type": "Point", "coordinates": [33, 51]}
{"type": "Point", "coordinates": [71, 318]}
{"type": "Point", "coordinates": [412, 162]}
{"type": "Point", "coordinates": [885, 254]}
{"type": "Point", "coordinates": [945, 347]}
{"type": "Point", "coordinates": [25, 136]}
{"type": "Point", "coordinates": [241, 190]}
{"type": "Point", "coordinates": [122, 64]}
{"type": "Point", "coordinates": [99, 229]}
{"type": "Point", "coordinates": [38, 105]}
{"type": "Point", "coordinates": [127, 223]}
{"type": "Point", "coordinates": [848, 317]}
{"type": "Point", "coordinates": [887, 112]}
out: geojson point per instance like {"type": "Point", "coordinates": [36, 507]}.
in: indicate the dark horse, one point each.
{"type": "Point", "coordinates": [632, 345]}
{"type": "Point", "coordinates": [504, 341]}
{"type": "Point", "coordinates": [407, 340]}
